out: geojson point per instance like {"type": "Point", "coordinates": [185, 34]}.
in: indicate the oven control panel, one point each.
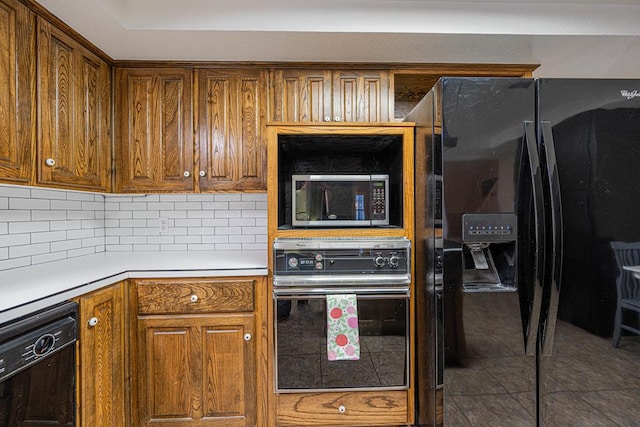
{"type": "Point", "coordinates": [341, 256]}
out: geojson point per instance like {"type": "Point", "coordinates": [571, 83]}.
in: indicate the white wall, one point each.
{"type": "Point", "coordinates": [587, 56]}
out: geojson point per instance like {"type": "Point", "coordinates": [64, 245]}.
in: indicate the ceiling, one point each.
{"type": "Point", "coordinates": [497, 31]}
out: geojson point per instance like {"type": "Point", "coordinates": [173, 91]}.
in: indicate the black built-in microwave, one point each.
{"type": "Point", "coordinates": [323, 200]}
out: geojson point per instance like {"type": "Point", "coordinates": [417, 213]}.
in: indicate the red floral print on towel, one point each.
{"type": "Point", "coordinates": [343, 337]}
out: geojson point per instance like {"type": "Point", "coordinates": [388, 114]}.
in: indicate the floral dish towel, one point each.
{"type": "Point", "coordinates": [343, 337]}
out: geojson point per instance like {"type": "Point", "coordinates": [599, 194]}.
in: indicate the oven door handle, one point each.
{"type": "Point", "coordinates": [342, 280]}
{"type": "Point", "coordinates": [382, 292]}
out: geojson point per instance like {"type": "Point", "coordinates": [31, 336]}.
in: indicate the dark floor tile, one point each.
{"type": "Point", "coordinates": [391, 368]}
{"type": "Point", "coordinates": [349, 373]}
{"type": "Point", "coordinates": [568, 409]}
{"type": "Point", "coordinates": [453, 416]}
{"type": "Point", "coordinates": [514, 379]}
{"type": "Point", "coordinates": [494, 410]}
{"type": "Point", "coordinates": [299, 371]}
{"type": "Point", "coordinates": [460, 381]}
{"type": "Point", "coordinates": [621, 406]}
{"type": "Point", "coordinates": [377, 343]}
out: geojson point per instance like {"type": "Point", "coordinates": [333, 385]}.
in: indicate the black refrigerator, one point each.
{"type": "Point", "coordinates": [521, 186]}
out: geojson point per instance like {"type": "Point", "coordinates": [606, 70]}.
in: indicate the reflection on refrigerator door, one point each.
{"type": "Point", "coordinates": [595, 138]}
{"type": "Point", "coordinates": [489, 379]}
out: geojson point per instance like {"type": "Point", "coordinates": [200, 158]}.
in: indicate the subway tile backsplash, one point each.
{"type": "Point", "coordinates": [186, 222]}
{"type": "Point", "coordinates": [40, 225]}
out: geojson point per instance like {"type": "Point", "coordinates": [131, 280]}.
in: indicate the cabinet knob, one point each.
{"type": "Point", "coordinates": [342, 409]}
{"type": "Point", "coordinates": [337, 119]}
{"type": "Point", "coordinates": [327, 118]}
{"type": "Point", "coordinates": [93, 321]}
{"type": "Point", "coordinates": [186, 174]}
{"type": "Point", "coordinates": [203, 173]}
{"type": "Point", "coordinates": [50, 162]}
{"type": "Point", "coordinates": [247, 337]}
{"type": "Point", "coordinates": [194, 298]}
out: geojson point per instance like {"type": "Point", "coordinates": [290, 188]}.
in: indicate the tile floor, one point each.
{"type": "Point", "coordinates": [587, 382]}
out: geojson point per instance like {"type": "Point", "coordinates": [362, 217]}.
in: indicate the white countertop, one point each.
{"type": "Point", "coordinates": [28, 289]}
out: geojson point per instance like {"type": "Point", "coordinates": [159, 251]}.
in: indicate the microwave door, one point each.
{"type": "Point", "coordinates": [340, 200]}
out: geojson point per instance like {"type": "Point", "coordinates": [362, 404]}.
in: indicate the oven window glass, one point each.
{"type": "Point", "coordinates": [301, 345]}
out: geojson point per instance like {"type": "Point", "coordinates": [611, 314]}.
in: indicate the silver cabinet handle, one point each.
{"type": "Point", "coordinates": [50, 162]}
{"type": "Point", "coordinates": [194, 298]}
{"type": "Point", "coordinates": [186, 174]}
{"type": "Point", "coordinates": [247, 337]}
{"type": "Point", "coordinates": [93, 321]}
{"type": "Point", "coordinates": [337, 119]}
{"type": "Point", "coordinates": [327, 118]}
{"type": "Point", "coordinates": [202, 173]}
{"type": "Point", "coordinates": [342, 409]}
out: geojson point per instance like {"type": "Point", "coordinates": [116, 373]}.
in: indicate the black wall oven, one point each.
{"type": "Point", "coordinates": [370, 278]}
{"type": "Point", "coordinates": [37, 368]}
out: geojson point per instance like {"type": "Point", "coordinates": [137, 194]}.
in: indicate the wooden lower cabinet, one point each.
{"type": "Point", "coordinates": [101, 358]}
{"type": "Point", "coordinates": [195, 363]}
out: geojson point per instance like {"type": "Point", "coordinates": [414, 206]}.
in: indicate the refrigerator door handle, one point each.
{"type": "Point", "coordinates": [549, 324]}
{"type": "Point", "coordinates": [538, 202]}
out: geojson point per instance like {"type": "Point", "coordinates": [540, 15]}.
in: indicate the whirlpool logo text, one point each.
{"type": "Point", "coordinates": [629, 94]}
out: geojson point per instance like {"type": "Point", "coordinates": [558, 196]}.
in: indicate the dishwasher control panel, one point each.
{"type": "Point", "coordinates": [22, 346]}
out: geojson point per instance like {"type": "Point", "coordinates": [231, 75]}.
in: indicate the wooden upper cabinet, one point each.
{"type": "Point", "coordinates": [361, 96]}
{"type": "Point", "coordinates": [301, 96]}
{"type": "Point", "coordinates": [17, 92]}
{"type": "Point", "coordinates": [154, 148]}
{"type": "Point", "coordinates": [231, 129]}
{"type": "Point", "coordinates": [330, 96]}
{"type": "Point", "coordinates": [74, 145]}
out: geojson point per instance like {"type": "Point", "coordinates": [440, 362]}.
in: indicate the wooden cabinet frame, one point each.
{"type": "Point", "coordinates": [293, 408]}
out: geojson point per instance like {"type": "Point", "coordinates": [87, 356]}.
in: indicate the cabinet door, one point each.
{"type": "Point", "coordinates": [101, 358]}
{"type": "Point", "coordinates": [361, 96]}
{"type": "Point", "coordinates": [197, 370]}
{"type": "Point", "coordinates": [155, 141]}
{"type": "Point", "coordinates": [75, 103]}
{"type": "Point", "coordinates": [17, 92]}
{"type": "Point", "coordinates": [231, 126]}
{"type": "Point", "coordinates": [301, 96]}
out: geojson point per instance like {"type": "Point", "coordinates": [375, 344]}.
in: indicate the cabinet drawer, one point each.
{"type": "Point", "coordinates": [349, 408]}
{"type": "Point", "coordinates": [195, 296]}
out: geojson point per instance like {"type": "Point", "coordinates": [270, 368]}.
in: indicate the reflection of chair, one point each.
{"type": "Point", "coordinates": [627, 286]}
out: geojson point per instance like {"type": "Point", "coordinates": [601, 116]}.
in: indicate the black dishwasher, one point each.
{"type": "Point", "coordinates": [37, 368]}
